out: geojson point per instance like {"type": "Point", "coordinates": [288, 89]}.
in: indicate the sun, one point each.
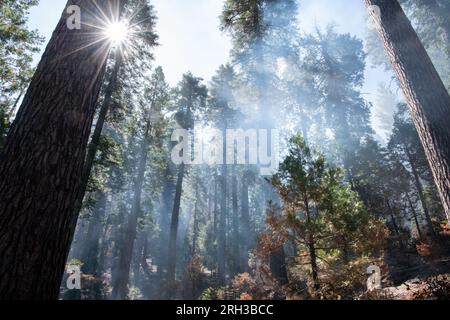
{"type": "Point", "coordinates": [117, 32]}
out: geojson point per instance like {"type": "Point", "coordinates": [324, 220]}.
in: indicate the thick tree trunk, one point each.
{"type": "Point", "coordinates": [425, 92]}
{"type": "Point", "coordinates": [42, 160]}
{"type": "Point", "coordinates": [172, 253]}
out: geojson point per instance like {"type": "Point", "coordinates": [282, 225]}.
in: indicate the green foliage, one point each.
{"type": "Point", "coordinates": [17, 45]}
{"type": "Point", "coordinates": [318, 206]}
{"type": "Point", "coordinates": [212, 294]}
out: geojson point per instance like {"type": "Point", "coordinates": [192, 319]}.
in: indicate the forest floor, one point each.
{"type": "Point", "coordinates": [419, 271]}
{"type": "Point", "coordinates": [431, 288]}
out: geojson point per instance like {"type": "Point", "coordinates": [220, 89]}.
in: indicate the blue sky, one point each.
{"type": "Point", "coordinates": [191, 40]}
{"type": "Point", "coordinates": [189, 34]}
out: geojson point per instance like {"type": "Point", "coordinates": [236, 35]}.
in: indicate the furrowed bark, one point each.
{"type": "Point", "coordinates": [425, 92]}
{"type": "Point", "coordinates": [42, 160]}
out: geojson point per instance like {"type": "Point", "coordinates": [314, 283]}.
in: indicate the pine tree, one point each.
{"type": "Point", "coordinates": [17, 45]}
{"type": "Point", "coordinates": [156, 99]}
{"type": "Point", "coordinates": [190, 98]}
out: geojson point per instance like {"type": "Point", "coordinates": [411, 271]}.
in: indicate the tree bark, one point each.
{"type": "Point", "coordinates": [42, 160]}
{"type": "Point", "coordinates": [425, 92]}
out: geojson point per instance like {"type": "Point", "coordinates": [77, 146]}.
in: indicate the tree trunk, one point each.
{"type": "Point", "coordinates": [196, 225]}
{"type": "Point", "coordinates": [165, 210]}
{"type": "Point", "coordinates": [245, 216]}
{"type": "Point", "coordinates": [120, 289]}
{"type": "Point", "coordinates": [420, 192]}
{"type": "Point", "coordinates": [416, 220]}
{"type": "Point", "coordinates": [391, 214]}
{"type": "Point", "coordinates": [216, 192]}
{"type": "Point", "coordinates": [312, 249]}
{"type": "Point", "coordinates": [235, 240]}
{"type": "Point", "coordinates": [425, 92]}
{"type": "Point", "coordinates": [90, 256]}
{"type": "Point", "coordinates": [172, 253]}
{"type": "Point", "coordinates": [221, 259]}
{"type": "Point", "coordinates": [277, 262]}
{"type": "Point", "coordinates": [42, 160]}
{"type": "Point", "coordinates": [95, 140]}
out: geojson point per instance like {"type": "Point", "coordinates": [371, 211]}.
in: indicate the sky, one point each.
{"type": "Point", "coordinates": [190, 39]}
{"type": "Point", "coordinates": [189, 35]}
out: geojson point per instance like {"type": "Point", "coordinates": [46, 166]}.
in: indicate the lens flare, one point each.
{"type": "Point", "coordinates": [117, 32]}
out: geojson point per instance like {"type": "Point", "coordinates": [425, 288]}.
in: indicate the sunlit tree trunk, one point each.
{"type": "Point", "coordinates": [42, 160]}
{"type": "Point", "coordinates": [425, 92]}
